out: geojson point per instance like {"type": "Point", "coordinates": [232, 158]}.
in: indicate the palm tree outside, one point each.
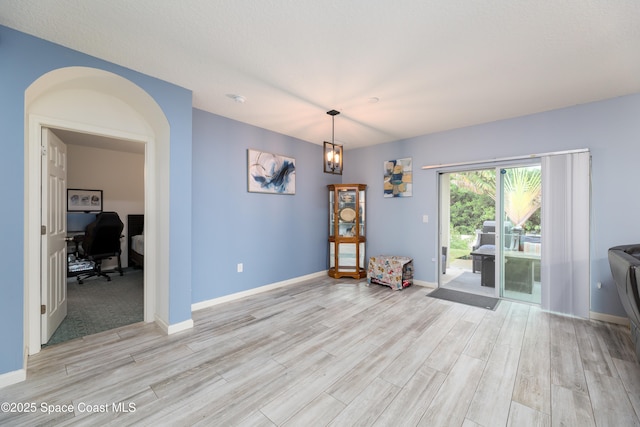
{"type": "Point", "coordinates": [522, 191]}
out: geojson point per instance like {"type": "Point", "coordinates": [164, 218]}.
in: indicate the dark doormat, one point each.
{"type": "Point", "coordinates": [465, 298]}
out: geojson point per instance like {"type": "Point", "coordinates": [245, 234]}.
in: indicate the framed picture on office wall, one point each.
{"type": "Point", "coordinates": [79, 200]}
{"type": "Point", "coordinates": [270, 173]}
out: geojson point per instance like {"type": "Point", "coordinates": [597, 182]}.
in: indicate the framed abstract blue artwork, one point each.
{"type": "Point", "coordinates": [270, 173]}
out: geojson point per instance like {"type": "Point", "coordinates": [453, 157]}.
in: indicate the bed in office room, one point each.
{"type": "Point", "coordinates": [135, 239]}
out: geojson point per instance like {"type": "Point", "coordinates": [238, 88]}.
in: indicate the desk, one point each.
{"type": "Point", "coordinates": [76, 238]}
{"type": "Point", "coordinates": [519, 269]}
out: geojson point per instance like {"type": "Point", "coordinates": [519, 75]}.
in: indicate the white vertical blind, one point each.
{"type": "Point", "coordinates": [565, 268]}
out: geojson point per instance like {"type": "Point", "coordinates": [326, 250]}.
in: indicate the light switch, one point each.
{"type": "Point", "coordinates": [425, 218]}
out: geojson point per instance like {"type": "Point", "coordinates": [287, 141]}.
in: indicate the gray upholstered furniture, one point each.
{"type": "Point", "coordinates": [485, 239]}
{"type": "Point", "coordinates": [625, 267]}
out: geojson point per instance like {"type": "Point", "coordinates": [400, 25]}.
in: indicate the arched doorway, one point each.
{"type": "Point", "coordinates": [101, 103]}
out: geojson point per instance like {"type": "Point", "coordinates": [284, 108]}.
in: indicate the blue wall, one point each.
{"type": "Point", "coordinates": [610, 129]}
{"type": "Point", "coordinates": [276, 237]}
{"type": "Point", "coordinates": [23, 59]}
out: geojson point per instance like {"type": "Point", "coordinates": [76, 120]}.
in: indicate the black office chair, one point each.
{"type": "Point", "coordinates": [102, 241]}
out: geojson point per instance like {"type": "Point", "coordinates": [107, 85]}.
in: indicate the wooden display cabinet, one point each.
{"type": "Point", "coordinates": [347, 230]}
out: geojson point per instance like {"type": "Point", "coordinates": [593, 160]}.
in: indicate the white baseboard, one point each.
{"type": "Point", "coordinates": [179, 327]}
{"type": "Point", "coordinates": [163, 325]}
{"type": "Point", "coordinates": [13, 377]}
{"type": "Point", "coordinates": [176, 327]}
{"type": "Point", "coordinates": [609, 318]}
{"type": "Point", "coordinates": [212, 302]}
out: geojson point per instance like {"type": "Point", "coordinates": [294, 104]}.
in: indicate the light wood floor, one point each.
{"type": "Point", "coordinates": [340, 353]}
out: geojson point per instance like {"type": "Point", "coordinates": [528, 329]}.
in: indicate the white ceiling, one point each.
{"type": "Point", "coordinates": [433, 64]}
{"type": "Point", "coordinates": [99, 141]}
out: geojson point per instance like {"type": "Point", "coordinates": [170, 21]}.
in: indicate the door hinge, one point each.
{"type": "Point", "coordinates": [43, 309]}
{"type": "Point", "coordinates": [43, 229]}
{"type": "Point", "coordinates": [43, 150]}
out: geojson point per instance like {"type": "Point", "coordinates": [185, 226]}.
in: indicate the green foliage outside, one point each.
{"type": "Point", "coordinates": [459, 247]}
{"type": "Point", "coordinates": [469, 210]}
{"type": "Point", "coordinates": [473, 202]}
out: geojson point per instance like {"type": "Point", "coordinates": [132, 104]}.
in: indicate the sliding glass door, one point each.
{"type": "Point", "coordinates": [495, 245]}
{"type": "Point", "coordinates": [520, 248]}
{"type": "Point", "coordinates": [467, 231]}
{"type": "Point", "coordinates": [490, 230]}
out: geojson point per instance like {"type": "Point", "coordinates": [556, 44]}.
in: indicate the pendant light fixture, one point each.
{"type": "Point", "coordinates": [332, 157]}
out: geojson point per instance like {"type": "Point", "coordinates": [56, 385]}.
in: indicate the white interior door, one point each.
{"type": "Point", "coordinates": [54, 221]}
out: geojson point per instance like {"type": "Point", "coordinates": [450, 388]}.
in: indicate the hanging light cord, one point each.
{"type": "Point", "coordinates": [332, 161]}
{"type": "Point", "coordinates": [333, 130]}
{"type": "Point", "coordinates": [333, 114]}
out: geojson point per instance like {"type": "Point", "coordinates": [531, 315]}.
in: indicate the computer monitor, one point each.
{"type": "Point", "coordinates": [78, 221]}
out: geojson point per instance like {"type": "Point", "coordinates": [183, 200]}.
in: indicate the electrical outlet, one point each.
{"type": "Point", "coordinates": [240, 268]}
{"type": "Point", "coordinates": [425, 218]}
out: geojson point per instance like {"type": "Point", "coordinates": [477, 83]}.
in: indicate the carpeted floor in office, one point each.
{"type": "Point", "coordinates": [99, 305]}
